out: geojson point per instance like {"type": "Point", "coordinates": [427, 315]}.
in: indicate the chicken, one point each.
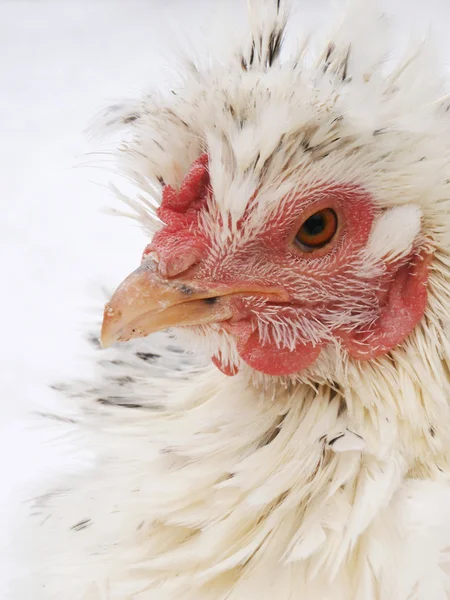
{"type": "Point", "coordinates": [299, 217]}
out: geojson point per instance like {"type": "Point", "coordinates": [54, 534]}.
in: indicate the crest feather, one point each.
{"type": "Point", "coordinates": [267, 19]}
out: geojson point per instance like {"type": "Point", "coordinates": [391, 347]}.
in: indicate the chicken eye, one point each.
{"type": "Point", "coordinates": [317, 230]}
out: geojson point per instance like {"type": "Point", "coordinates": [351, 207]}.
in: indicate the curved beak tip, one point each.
{"type": "Point", "coordinates": [110, 329]}
{"type": "Point", "coordinates": [105, 342]}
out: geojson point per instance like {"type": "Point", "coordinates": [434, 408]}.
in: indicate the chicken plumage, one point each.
{"type": "Point", "coordinates": [300, 219]}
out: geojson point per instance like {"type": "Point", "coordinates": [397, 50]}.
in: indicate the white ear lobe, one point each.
{"type": "Point", "coordinates": [394, 233]}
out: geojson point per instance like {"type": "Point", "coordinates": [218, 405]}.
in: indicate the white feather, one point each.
{"type": "Point", "coordinates": [206, 488]}
{"type": "Point", "coordinates": [394, 233]}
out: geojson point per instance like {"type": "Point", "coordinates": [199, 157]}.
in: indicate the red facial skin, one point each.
{"type": "Point", "coordinates": [325, 285]}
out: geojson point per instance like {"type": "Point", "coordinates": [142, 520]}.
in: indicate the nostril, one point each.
{"type": "Point", "coordinates": [186, 290]}
{"type": "Point", "coordinates": [211, 300]}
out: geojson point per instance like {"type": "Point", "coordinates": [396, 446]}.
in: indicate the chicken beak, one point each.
{"type": "Point", "coordinates": [145, 303]}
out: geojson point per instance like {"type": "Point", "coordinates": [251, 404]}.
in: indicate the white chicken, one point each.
{"type": "Point", "coordinates": [300, 214]}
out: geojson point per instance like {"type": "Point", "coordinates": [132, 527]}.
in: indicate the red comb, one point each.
{"type": "Point", "coordinates": [179, 244]}
{"type": "Point", "coordinates": [193, 189]}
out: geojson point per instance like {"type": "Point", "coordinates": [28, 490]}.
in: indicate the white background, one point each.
{"type": "Point", "coordinates": [60, 62]}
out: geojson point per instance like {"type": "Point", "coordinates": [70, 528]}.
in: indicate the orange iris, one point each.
{"type": "Point", "coordinates": [317, 230]}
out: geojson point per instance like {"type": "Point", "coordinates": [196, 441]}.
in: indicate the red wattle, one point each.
{"type": "Point", "coordinates": [268, 358]}
{"type": "Point", "coordinates": [271, 360]}
{"type": "Point", "coordinates": [227, 369]}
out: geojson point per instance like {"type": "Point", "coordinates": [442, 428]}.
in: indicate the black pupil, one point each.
{"type": "Point", "coordinates": [314, 225]}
